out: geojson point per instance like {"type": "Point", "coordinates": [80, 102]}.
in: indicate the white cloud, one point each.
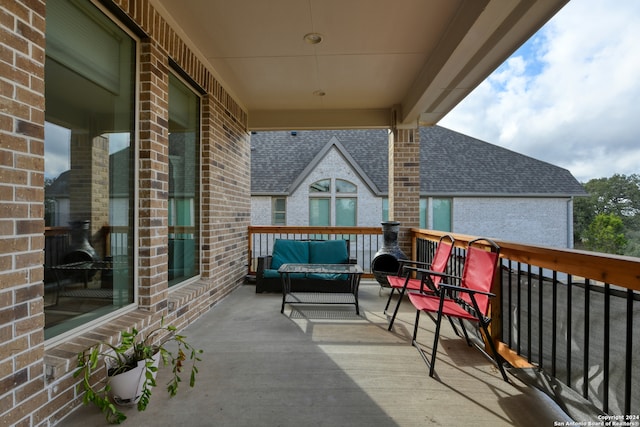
{"type": "Point", "coordinates": [570, 95]}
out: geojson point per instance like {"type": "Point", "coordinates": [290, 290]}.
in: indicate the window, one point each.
{"type": "Point", "coordinates": [385, 209]}
{"type": "Point", "coordinates": [89, 166]}
{"type": "Point", "coordinates": [346, 203]}
{"type": "Point", "coordinates": [320, 212]}
{"type": "Point", "coordinates": [423, 213]}
{"type": "Point", "coordinates": [184, 190]}
{"type": "Point", "coordinates": [441, 214]}
{"type": "Point", "coordinates": [341, 196]}
{"type": "Point", "coordinates": [345, 187]}
{"type": "Point", "coordinates": [322, 186]}
{"type": "Point", "coordinates": [279, 211]}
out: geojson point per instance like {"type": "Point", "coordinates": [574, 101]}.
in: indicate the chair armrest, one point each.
{"type": "Point", "coordinates": [466, 290]}
{"type": "Point", "coordinates": [402, 266]}
{"type": "Point", "coordinates": [432, 273]}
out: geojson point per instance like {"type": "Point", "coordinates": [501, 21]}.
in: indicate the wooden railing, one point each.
{"type": "Point", "coordinates": [573, 315]}
{"type": "Point", "coordinates": [364, 242]}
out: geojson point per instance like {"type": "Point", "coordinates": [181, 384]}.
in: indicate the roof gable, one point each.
{"type": "Point", "coordinates": [333, 143]}
{"type": "Point", "coordinates": [452, 164]}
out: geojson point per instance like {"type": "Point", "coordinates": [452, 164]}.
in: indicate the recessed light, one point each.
{"type": "Point", "coordinates": [313, 38]}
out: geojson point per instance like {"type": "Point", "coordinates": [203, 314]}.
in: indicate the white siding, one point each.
{"type": "Point", "coordinates": [536, 221]}
{"type": "Point", "coordinates": [261, 210]}
{"type": "Point", "coordinates": [333, 165]}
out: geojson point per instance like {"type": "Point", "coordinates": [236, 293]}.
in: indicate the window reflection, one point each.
{"type": "Point", "coordinates": [184, 164]}
{"type": "Point", "coordinates": [343, 186]}
{"type": "Point", "coordinates": [88, 166]}
{"type": "Point", "coordinates": [322, 186]}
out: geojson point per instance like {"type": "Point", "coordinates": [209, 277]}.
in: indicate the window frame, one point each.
{"type": "Point", "coordinates": [333, 194]}
{"type": "Point", "coordinates": [275, 211]}
{"type": "Point", "coordinates": [134, 146]}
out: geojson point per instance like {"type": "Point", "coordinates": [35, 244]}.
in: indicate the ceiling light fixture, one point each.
{"type": "Point", "coordinates": [313, 38]}
{"type": "Point", "coordinates": [319, 93]}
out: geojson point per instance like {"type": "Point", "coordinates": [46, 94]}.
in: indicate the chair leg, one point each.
{"type": "Point", "coordinates": [496, 356]}
{"type": "Point", "coordinates": [395, 311]}
{"type": "Point", "coordinates": [388, 300]}
{"type": "Point", "coordinates": [435, 342]}
{"type": "Point", "coordinates": [415, 327]}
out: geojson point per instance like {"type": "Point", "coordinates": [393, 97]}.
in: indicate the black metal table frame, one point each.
{"type": "Point", "coordinates": [352, 271]}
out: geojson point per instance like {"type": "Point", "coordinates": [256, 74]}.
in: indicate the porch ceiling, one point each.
{"type": "Point", "coordinates": [409, 59]}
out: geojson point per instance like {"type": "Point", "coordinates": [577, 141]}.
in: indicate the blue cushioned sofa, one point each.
{"type": "Point", "coordinates": [303, 252]}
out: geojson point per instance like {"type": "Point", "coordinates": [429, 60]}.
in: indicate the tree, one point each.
{"type": "Point", "coordinates": [606, 234]}
{"type": "Point", "coordinates": [618, 195]}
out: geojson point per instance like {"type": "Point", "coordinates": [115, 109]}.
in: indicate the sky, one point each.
{"type": "Point", "coordinates": [569, 96]}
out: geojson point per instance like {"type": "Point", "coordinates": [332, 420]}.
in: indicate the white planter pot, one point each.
{"type": "Point", "coordinates": [126, 388]}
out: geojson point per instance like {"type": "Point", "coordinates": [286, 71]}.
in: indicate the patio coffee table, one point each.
{"type": "Point", "coordinates": [348, 295]}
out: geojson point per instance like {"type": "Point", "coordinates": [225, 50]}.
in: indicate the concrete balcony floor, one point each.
{"type": "Point", "coordinates": [326, 366]}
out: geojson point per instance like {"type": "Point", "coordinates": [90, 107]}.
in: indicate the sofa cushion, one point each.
{"type": "Point", "coordinates": [328, 252]}
{"type": "Point", "coordinates": [289, 251]}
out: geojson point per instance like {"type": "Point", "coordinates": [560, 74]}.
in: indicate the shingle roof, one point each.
{"type": "Point", "coordinates": [451, 163]}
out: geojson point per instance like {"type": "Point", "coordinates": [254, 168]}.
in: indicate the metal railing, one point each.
{"type": "Point", "coordinates": [572, 314]}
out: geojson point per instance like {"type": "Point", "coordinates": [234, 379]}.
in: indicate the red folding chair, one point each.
{"type": "Point", "coordinates": [424, 281]}
{"type": "Point", "coordinates": [469, 300]}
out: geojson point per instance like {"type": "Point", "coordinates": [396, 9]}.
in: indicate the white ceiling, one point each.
{"type": "Point", "coordinates": [379, 59]}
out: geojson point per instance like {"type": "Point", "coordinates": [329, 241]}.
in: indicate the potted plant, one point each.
{"type": "Point", "coordinates": [133, 364]}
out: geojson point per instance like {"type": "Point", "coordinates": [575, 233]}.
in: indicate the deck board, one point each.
{"type": "Point", "coordinates": [325, 366]}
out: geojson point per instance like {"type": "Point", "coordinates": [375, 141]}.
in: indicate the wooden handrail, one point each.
{"type": "Point", "coordinates": [285, 229]}
{"type": "Point", "coordinates": [617, 270]}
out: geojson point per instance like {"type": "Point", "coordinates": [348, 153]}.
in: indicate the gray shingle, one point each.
{"type": "Point", "coordinates": [451, 163]}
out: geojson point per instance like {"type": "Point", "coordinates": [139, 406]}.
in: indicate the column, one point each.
{"type": "Point", "coordinates": [404, 181]}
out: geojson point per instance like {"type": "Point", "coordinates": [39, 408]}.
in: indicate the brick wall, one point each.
{"type": "Point", "coordinates": [22, 385]}
{"type": "Point", "coordinates": [36, 386]}
{"type": "Point", "coordinates": [404, 182]}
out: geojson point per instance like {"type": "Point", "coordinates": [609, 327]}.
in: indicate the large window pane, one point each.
{"type": "Point", "coordinates": [442, 214]}
{"type": "Point", "coordinates": [320, 211]}
{"type": "Point", "coordinates": [184, 164]}
{"type": "Point", "coordinates": [385, 209]}
{"type": "Point", "coordinates": [89, 167]}
{"type": "Point", "coordinates": [346, 212]}
{"type": "Point", "coordinates": [423, 213]}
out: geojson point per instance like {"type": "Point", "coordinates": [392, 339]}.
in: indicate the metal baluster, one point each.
{"type": "Point", "coordinates": [585, 362]}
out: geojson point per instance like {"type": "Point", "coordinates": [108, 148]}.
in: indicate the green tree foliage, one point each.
{"type": "Point", "coordinates": [619, 196]}
{"type": "Point", "coordinates": [606, 234]}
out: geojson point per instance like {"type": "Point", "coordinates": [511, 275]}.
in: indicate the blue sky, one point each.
{"type": "Point", "coordinates": [570, 96]}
